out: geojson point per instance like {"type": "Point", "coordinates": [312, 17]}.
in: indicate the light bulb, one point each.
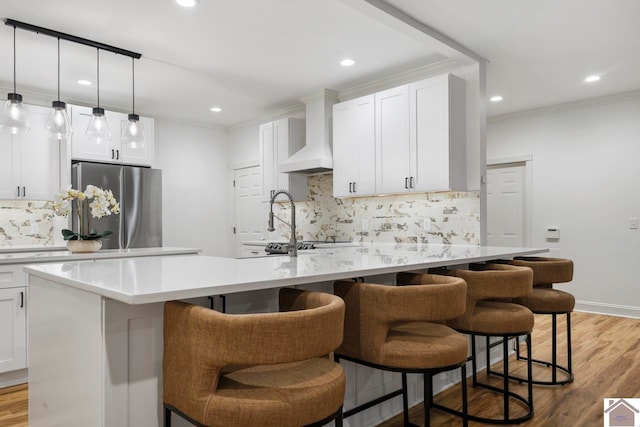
{"type": "Point", "coordinates": [14, 117]}
{"type": "Point", "coordinates": [58, 126]}
{"type": "Point", "coordinates": [133, 132]}
{"type": "Point", "coordinates": [98, 130]}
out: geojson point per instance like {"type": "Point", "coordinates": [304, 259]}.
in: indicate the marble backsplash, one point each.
{"type": "Point", "coordinates": [445, 217]}
{"type": "Point", "coordinates": [25, 223]}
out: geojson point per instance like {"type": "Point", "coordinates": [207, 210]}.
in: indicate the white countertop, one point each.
{"type": "Point", "coordinates": [64, 256]}
{"type": "Point", "coordinates": [155, 279]}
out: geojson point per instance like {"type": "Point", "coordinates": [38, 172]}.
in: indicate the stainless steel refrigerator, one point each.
{"type": "Point", "coordinates": [139, 191]}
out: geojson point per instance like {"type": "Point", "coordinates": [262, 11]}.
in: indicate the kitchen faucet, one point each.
{"type": "Point", "coordinates": [293, 242]}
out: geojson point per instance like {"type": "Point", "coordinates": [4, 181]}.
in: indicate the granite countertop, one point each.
{"type": "Point", "coordinates": [63, 255]}
{"type": "Point", "coordinates": [154, 279]}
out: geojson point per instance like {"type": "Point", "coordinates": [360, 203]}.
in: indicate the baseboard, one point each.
{"type": "Point", "coordinates": [608, 309]}
{"type": "Point", "coordinates": [8, 379]}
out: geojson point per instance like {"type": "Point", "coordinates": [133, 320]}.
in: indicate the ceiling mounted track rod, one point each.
{"type": "Point", "coordinates": [71, 38]}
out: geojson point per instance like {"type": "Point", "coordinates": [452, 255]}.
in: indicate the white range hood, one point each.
{"type": "Point", "coordinates": [316, 156]}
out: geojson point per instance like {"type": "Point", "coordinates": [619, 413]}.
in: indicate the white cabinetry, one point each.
{"type": "Point", "coordinates": [419, 142]}
{"type": "Point", "coordinates": [354, 154]}
{"type": "Point", "coordinates": [392, 140]}
{"type": "Point", "coordinates": [114, 151]}
{"type": "Point", "coordinates": [278, 141]}
{"type": "Point", "coordinates": [13, 319]}
{"type": "Point", "coordinates": [437, 133]}
{"type": "Point", "coordinates": [30, 164]}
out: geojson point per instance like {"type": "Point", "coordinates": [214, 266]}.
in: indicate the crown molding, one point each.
{"type": "Point", "coordinates": [408, 76]}
{"type": "Point", "coordinates": [605, 99]}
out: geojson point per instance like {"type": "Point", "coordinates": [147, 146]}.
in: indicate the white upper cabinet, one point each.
{"type": "Point", "coordinates": [278, 141]}
{"type": "Point", "coordinates": [114, 151]}
{"type": "Point", "coordinates": [438, 134]}
{"type": "Point", "coordinates": [354, 154]}
{"type": "Point", "coordinates": [30, 164]}
{"type": "Point", "coordinates": [417, 140]}
{"type": "Point", "coordinates": [392, 140]}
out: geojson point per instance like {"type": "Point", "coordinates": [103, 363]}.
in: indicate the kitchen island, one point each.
{"type": "Point", "coordinates": [95, 341]}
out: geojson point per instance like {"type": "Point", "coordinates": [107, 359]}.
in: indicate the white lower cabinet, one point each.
{"type": "Point", "coordinates": [13, 318]}
{"type": "Point", "coordinates": [13, 329]}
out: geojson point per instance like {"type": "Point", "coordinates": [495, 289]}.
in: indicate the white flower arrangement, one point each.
{"type": "Point", "coordinates": [93, 202]}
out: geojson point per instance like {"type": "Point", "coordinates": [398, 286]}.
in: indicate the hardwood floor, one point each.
{"type": "Point", "coordinates": [13, 406]}
{"type": "Point", "coordinates": [606, 362]}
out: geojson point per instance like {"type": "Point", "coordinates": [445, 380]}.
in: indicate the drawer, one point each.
{"type": "Point", "coordinates": [12, 276]}
{"type": "Point", "coordinates": [252, 251]}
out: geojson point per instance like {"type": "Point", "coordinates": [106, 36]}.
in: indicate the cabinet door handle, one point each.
{"type": "Point", "coordinates": [354, 187]}
{"type": "Point", "coordinates": [24, 191]}
{"type": "Point", "coordinates": [411, 184]}
{"type": "Point", "coordinates": [113, 154]}
{"type": "Point", "coordinates": [117, 154]}
{"type": "Point", "coordinates": [406, 183]}
{"type": "Point", "coordinates": [351, 187]}
{"type": "Point", "coordinates": [18, 191]}
{"type": "Point", "coordinates": [21, 299]}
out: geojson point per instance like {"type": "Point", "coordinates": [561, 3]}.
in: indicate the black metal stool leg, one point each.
{"type": "Point", "coordinates": [405, 400]}
{"type": "Point", "coordinates": [505, 377]}
{"type": "Point", "coordinates": [569, 368]}
{"type": "Point", "coordinates": [473, 361]}
{"type": "Point", "coordinates": [167, 417]}
{"type": "Point", "coordinates": [428, 396]}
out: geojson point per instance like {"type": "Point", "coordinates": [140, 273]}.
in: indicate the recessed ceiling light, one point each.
{"type": "Point", "coordinates": [187, 3]}
{"type": "Point", "coordinates": [347, 62]}
{"type": "Point", "coordinates": [84, 82]}
{"type": "Point", "coordinates": [496, 98]}
{"type": "Point", "coordinates": [216, 109]}
{"type": "Point", "coordinates": [592, 79]}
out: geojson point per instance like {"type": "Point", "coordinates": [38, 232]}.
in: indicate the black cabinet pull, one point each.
{"type": "Point", "coordinates": [21, 299]}
{"type": "Point", "coordinates": [406, 183]}
{"type": "Point", "coordinates": [411, 184]}
{"type": "Point", "coordinates": [24, 191]}
{"type": "Point", "coordinates": [18, 191]}
{"type": "Point", "coordinates": [354, 187]}
{"type": "Point", "coordinates": [350, 187]}
{"type": "Point", "coordinates": [117, 154]}
{"type": "Point", "coordinates": [113, 154]}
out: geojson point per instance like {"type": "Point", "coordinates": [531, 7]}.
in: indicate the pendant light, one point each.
{"type": "Point", "coordinates": [14, 118]}
{"type": "Point", "coordinates": [133, 133]}
{"type": "Point", "coordinates": [98, 129]}
{"type": "Point", "coordinates": [58, 126]}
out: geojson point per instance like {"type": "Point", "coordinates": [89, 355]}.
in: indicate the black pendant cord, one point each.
{"type": "Point", "coordinates": [98, 74]}
{"type": "Point", "coordinates": [58, 69]}
{"type": "Point", "coordinates": [133, 87]}
{"type": "Point", "coordinates": [14, 59]}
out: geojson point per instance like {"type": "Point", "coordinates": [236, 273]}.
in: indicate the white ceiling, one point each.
{"type": "Point", "coordinates": [252, 57]}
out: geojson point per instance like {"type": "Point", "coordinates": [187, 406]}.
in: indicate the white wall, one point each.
{"type": "Point", "coordinates": [195, 186]}
{"type": "Point", "coordinates": [586, 181]}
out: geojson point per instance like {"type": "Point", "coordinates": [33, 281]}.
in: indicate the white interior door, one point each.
{"type": "Point", "coordinates": [506, 213]}
{"type": "Point", "coordinates": [251, 213]}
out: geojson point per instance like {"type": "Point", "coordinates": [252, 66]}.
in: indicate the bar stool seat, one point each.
{"type": "Point", "coordinates": [544, 299]}
{"type": "Point", "coordinates": [489, 313]}
{"type": "Point", "coordinates": [265, 369]}
{"type": "Point", "coordinates": [548, 301]}
{"type": "Point", "coordinates": [496, 318]}
{"type": "Point", "coordinates": [423, 345]}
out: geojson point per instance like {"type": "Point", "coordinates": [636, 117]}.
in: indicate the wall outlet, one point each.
{"type": "Point", "coordinates": [633, 223]}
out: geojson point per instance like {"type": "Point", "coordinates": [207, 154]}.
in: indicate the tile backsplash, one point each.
{"type": "Point", "coordinates": [25, 223]}
{"type": "Point", "coordinates": [445, 217]}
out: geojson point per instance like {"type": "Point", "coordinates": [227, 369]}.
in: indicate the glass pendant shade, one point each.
{"type": "Point", "coordinates": [133, 132]}
{"type": "Point", "coordinates": [58, 126]}
{"type": "Point", "coordinates": [98, 130]}
{"type": "Point", "coordinates": [14, 117]}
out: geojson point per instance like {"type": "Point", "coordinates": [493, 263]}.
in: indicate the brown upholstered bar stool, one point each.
{"type": "Point", "coordinates": [269, 369]}
{"type": "Point", "coordinates": [487, 318]}
{"type": "Point", "coordinates": [390, 328]}
{"type": "Point", "coordinates": [546, 300]}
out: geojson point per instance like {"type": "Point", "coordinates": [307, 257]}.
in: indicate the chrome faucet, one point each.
{"type": "Point", "coordinates": [293, 242]}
